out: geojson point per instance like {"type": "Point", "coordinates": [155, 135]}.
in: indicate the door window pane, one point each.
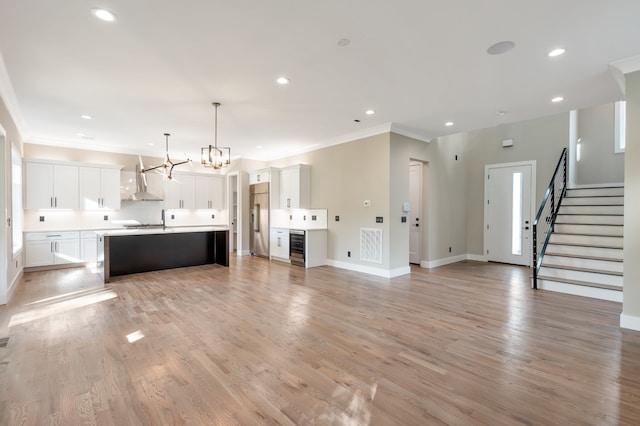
{"type": "Point", "coordinates": [516, 215]}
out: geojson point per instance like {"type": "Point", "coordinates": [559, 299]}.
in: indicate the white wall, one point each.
{"type": "Point", "coordinates": [631, 294]}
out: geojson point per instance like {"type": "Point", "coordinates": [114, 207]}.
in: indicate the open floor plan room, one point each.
{"type": "Point", "coordinates": [262, 342]}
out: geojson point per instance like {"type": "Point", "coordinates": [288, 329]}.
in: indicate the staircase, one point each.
{"type": "Point", "coordinates": [584, 254]}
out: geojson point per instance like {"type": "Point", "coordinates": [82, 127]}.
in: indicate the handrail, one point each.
{"type": "Point", "coordinates": [549, 210]}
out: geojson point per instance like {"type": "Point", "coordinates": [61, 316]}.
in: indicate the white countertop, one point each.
{"type": "Point", "coordinates": [151, 231]}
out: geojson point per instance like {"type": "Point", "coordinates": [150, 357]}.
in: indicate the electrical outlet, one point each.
{"type": "Point", "coordinates": [314, 217]}
{"type": "Point", "coordinates": [41, 218]}
{"type": "Point", "coordinates": [449, 249]}
{"type": "Point", "coordinates": [337, 218]}
{"type": "Point", "coordinates": [173, 216]}
{"type": "Point", "coordinates": [213, 216]}
{"type": "Point", "coordinates": [106, 217]}
{"type": "Point", "coordinates": [403, 219]}
{"type": "Point", "coordinates": [348, 254]}
{"type": "Point", "coordinates": [378, 219]}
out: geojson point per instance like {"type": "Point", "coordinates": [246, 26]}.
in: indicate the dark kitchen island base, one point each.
{"type": "Point", "coordinates": [143, 252]}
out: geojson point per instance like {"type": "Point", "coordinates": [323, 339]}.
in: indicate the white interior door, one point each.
{"type": "Point", "coordinates": [508, 192]}
{"type": "Point", "coordinates": [415, 212]}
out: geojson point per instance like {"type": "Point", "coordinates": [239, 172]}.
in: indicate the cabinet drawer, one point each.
{"type": "Point", "coordinates": [53, 235]}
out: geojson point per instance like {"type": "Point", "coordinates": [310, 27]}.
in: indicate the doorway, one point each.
{"type": "Point", "coordinates": [509, 203]}
{"type": "Point", "coordinates": [233, 211]}
{"type": "Point", "coordinates": [4, 282]}
{"type": "Point", "coordinates": [416, 224]}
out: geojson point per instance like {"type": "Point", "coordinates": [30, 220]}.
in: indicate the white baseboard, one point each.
{"type": "Point", "coordinates": [629, 321]}
{"type": "Point", "coordinates": [385, 273]}
{"type": "Point", "coordinates": [442, 262]}
{"type": "Point", "coordinates": [477, 257]}
{"type": "Point", "coordinates": [14, 284]}
{"type": "Point", "coordinates": [596, 185]}
{"type": "Point", "coordinates": [245, 253]}
{"type": "Point", "coordinates": [581, 290]}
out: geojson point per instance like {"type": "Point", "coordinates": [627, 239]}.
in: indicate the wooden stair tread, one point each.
{"type": "Point", "coordinates": [581, 256]}
{"type": "Point", "coordinates": [582, 283]}
{"type": "Point", "coordinates": [577, 269]}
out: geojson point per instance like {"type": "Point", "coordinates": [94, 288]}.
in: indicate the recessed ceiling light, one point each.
{"type": "Point", "coordinates": [86, 117]}
{"type": "Point", "coordinates": [500, 48]}
{"type": "Point", "coordinates": [449, 123]}
{"type": "Point", "coordinates": [103, 15]}
{"type": "Point", "coordinates": [344, 42]}
{"type": "Point", "coordinates": [283, 80]}
{"type": "Point", "coordinates": [500, 113]}
{"type": "Point", "coordinates": [370, 112]}
{"type": "Point", "coordinates": [557, 99]}
{"type": "Point", "coordinates": [259, 146]}
{"type": "Point", "coordinates": [150, 143]}
{"type": "Point", "coordinates": [556, 52]}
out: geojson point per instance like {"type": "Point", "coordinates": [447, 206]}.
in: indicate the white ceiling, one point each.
{"type": "Point", "coordinates": [417, 63]}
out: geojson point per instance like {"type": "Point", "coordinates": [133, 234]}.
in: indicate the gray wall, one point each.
{"type": "Point", "coordinates": [631, 296]}
{"type": "Point", "coordinates": [540, 139]}
{"type": "Point", "coordinates": [598, 163]}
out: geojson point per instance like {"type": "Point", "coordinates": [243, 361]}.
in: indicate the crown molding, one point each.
{"type": "Point", "coordinates": [400, 131]}
{"type": "Point", "coordinates": [60, 143]}
{"type": "Point", "coordinates": [8, 95]}
{"type": "Point", "coordinates": [627, 65]}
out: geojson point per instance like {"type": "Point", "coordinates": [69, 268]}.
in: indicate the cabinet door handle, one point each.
{"type": "Point", "coordinates": [51, 202]}
{"type": "Point", "coordinates": [288, 202]}
{"type": "Point", "coordinates": [51, 247]}
{"type": "Point", "coordinates": [278, 241]}
{"type": "Point", "coordinates": [57, 251]}
{"type": "Point", "coordinates": [55, 201]}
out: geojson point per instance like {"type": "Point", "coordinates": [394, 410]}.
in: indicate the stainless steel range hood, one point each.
{"type": "Point", "coordinates": [141, 193]}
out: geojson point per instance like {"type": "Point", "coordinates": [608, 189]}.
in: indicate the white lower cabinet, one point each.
{"type": "Point", "coordinates": [279, 247]}
{"type": "Point", "coordinates": [52, 248]}
{"type": "Point", "coordinates": [89, 246]}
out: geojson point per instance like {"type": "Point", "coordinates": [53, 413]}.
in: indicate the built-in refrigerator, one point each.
{"type": "Point", "coordinates": [259, 224]}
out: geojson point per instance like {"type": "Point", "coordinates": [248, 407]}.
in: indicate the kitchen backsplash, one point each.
{"type": "Point", "coordinates": [141, 211]}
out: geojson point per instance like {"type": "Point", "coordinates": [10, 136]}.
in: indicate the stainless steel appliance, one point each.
{"type": "Point", "coordinates": [259, 225]}
{"type": "Point", "coordinates": [296, 247]}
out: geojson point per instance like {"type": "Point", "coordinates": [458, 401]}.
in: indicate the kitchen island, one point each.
{"type": "Point", "coordinates": [130, 251]}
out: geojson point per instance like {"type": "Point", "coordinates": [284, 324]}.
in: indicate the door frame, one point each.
{"type": "Point", "coordinates": [422, 226]}
{"type": "Point", "coordinates": [533, 203]}
{"type": "Point", "coordinates": [4, 229]}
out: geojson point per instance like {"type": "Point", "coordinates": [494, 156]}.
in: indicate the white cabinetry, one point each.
{"type": "Point", "coordinates": [294, 187]}
{"type": "Point", "coordinates": [209, 192]}
{"type": "Point", "coordinates": [279, 246]}
{"type": "Point", "coordinates": [259, 176]}
{"type": "Point", "coordinates": [181, 192]}
{"type": "Point", "coordinates": [99, 188]}
{"type": "Point", "coordinates": [88, 246]}
{"type": "Point", "coordinates": [51, 186]}
{"type": "Point", "coordinates": [52, 248]}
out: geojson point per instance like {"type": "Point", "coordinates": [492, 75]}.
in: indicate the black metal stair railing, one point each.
{"type": "Point", "coordinates": [546, 217]}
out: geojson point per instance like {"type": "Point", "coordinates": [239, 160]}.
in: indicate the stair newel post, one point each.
{"type": "Point", "coordinates": [535, 256]}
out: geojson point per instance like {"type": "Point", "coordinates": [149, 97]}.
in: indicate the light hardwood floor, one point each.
{"type": "Point", "coordinates": [267, 343]}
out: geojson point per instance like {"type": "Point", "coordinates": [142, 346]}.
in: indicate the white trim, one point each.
{"type": "Point", "coordinates": [62, 143]}
{"type": "Point", "coordinates": [14, 284]}
{"type": "Point", "coordinates": [532, 202]}
{"type": "Point", "coordinates": [10, 100]}
{"type": "Point", "coordinates": [403, 132]}
{"type": "Point", "coordinates": [627, 65]}
{"type": "Point", "coordinates": [581, 290]}
{"type": "Point", "coordinates": [477, 258]}
{"type": "Point", "coordinates": [619, 127]}
{"type": "Point", "coordinates": [629, 321]}
{"type": "Point", "coordinates": [573, 149]}
{"type": "Point", "coordinates": [385, 273]}
{"type": "Point", "coordinates": [598, 185]}
{"type": "Point", "coordinates": [442, 262]}
{"type": "Point", "coordinates": [245, 253]}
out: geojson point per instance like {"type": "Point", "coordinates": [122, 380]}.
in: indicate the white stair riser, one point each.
{"type": "Point", "coordinates": [576, 262]}
{"type": "Point", "coordinates": [590, 277]}
{"type": "Point", "coordinates": [586, 240]}
{"type": "Point", "coordinates": [595, 192]}
{"type": "Point", "coordinates": [617, 231]}
{"type": "Point", "coordinates": [593, 201]}
{"type": "Point", "coordinates": [576, 219]}
{"type": "Point", "coordinates": [606, 253]}
{"type": "Point", "coordinates": [580, 290]}
{"type": "Point", "coordinates": [564, 209]}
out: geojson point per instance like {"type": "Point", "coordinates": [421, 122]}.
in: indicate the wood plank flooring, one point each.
{"type": "Point", "coordinates": [264, 342]}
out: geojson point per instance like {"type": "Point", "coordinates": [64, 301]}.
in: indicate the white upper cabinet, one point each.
{"type": "Point", "coordinates": [210, 192]}
{"type": "Point", "coordinates": [181, 192]}
{"type": "Point", "coordinates": [294, 187]}
{"type": "Point", "coordinates": [51, 186]}
{"type": "Point", "coordinates": [99, 188]}
{"type": "Point", "coordinates": [259, 176]}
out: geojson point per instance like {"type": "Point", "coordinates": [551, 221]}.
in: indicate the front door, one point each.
{"type": "Point", "coordinates": [508, 213]}
{"type": "Point", "coordinates": [415, 212]}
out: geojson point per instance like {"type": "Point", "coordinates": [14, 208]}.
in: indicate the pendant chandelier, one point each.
{"type": "Point", "coordinates": [215, 156]}
{"type": "Point", "coordinates": [166, 168]}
